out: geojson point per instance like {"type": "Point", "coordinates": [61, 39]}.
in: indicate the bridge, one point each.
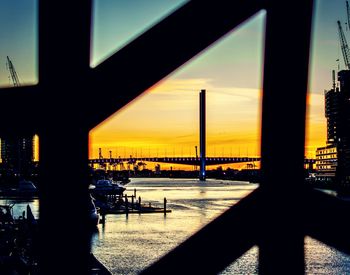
{"type": "Point", "coordinates": [202, 160]}
{"type": "Point", "coordinates": [182, 160]}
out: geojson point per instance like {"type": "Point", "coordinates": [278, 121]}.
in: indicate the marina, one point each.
{"type": "Point", "coordinates": [19, 241]}
{"type": "Point", "coordinates": [109, 198]}
{"type": "Point", "coordinates": [126, 244]}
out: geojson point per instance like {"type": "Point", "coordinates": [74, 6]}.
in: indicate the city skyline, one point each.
{"type": "Point", "coordinates": [165, 120]}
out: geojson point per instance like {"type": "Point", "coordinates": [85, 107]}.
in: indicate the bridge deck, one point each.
{"type": "Point", "coordinates": [182, 160]}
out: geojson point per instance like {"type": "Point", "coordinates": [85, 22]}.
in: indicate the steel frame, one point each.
{"type": "Point", "coordinates": [70, 99]}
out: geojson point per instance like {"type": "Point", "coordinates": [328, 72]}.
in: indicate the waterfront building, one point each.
{"type": "Point", "coordinates": [333, 160]}
{"type": "Point", "coordinates": [326, 162]}
{"type": "Point", "coordinates": [343, 132]}
{"type": "Point", "coordinates": [17, 154]}
{"type": "Point", "coordinates": [332, 113]}
{"type": "Point", "coordinates": [326, 156]}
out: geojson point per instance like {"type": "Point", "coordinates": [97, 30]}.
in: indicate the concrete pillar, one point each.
{"type": "Point", "coordinates": [202, 134]}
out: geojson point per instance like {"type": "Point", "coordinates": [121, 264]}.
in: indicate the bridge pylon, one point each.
{"type": "Point", "coordinates": [202, 135]}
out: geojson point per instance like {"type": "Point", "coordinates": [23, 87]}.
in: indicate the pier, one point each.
{"type": "Point", "coordinates": [127, 204]}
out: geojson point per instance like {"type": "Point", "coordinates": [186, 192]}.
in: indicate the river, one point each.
{"type": "Point", "coordinates": [128, 244]}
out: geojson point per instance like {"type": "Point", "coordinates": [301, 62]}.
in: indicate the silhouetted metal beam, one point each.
{"type": "Point", "coordinates": [19, 110]}
{"type": "Point", "coordinates": [257, 218]}
{"type": "Point", "coordinates": [326, 220]}
{"type": "Point", "coordinates": [64, 45]}
{"type": "Point", "coordinates": [283, 132]}
{"type": "Point", "coordinates": [163, 49]}
{"type": "Point", "coordinates": [64, 73]}
{"type": "Point", "coordinates": [220, 242]}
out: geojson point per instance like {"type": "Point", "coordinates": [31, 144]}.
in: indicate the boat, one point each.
{"type": "Point", "coordinates": [5, 215]}
{"type": "Point", "coordinates": [25, 188]}
{"type": "Point", "coordinates": [93, 211]}
{"type": "Point", "coordinates": [18, 234]}
{"type": "Point", "coordinates": [106, 187]}
{"type": "Point", "coordinates": [122, 179]}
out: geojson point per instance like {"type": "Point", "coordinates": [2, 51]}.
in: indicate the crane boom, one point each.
{"type": "Point", "coordinates": [13, 73]}
{"type": "Point", "coordinates": [344, 46]}
{"type": "Point", "coordinates": [348, 13]}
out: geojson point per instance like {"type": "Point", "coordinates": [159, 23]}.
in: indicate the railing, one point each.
{"type": "Point", "coordinates": [185, 160]}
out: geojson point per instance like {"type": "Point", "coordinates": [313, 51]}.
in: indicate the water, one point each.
{"type": "Point", "coordinates": [19, 205]}
{"type": "Point", "coordinates": [127, 245]}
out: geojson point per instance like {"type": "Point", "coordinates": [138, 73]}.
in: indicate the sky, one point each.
{"type": "Point", "coordinates": [164, 120]}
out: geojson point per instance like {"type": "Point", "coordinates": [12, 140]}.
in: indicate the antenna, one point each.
{"type": "Point", "coordinates": [338, 66]}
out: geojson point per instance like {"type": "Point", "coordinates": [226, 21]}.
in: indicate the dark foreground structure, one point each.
{"type": "Point", "coordinates": [269, 217]}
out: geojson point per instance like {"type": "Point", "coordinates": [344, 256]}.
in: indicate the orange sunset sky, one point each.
{"type": "Point", "coordinates": [164, 121]}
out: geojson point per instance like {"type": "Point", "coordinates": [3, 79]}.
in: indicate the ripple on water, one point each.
{"type": "Point", "coordinates": [128, 245]}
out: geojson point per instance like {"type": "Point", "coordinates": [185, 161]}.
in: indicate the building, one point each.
{"type": "Point", "coordinates": [326, 157]}
{"type": "Point", "coordinates": [333, 160]}
{"type": "Point", "coordinates": [332, 98]}
{"type": "Point", "coordinates": [17, 154]}
{"type": "Point", "coordinates": [326, 162]}
{"type": "Point", "coordinates": [343, 132]}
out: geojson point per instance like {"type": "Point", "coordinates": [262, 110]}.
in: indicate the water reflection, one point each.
{"type": "Point", "coordinates": [128, 245]}
{"type": "Point", "coordinates": [20, 205]}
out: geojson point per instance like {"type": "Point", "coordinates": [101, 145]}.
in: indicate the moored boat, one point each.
{"type": "Point", "coordinates": [25, 188]}
{"type": "Point", "coordinates": [107, 187]}
{"type": "Point", "coordinates": [94, 215]}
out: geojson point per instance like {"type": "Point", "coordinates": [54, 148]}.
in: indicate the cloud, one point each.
{"type": "Point", "coordinates": [167, 116]}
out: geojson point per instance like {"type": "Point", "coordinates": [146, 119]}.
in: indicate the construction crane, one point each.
{"type": "Point", "coordinates": [348, 13]}
{"type": "Point", "coordinates": [344, 46]}
{"type": "Point", "coordinates": [13, 73]}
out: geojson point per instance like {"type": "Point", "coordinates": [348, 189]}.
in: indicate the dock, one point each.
{"type": "Point", "coordinates": [127, 204]}
{"type": "Point", "coordinates": [135, 211]}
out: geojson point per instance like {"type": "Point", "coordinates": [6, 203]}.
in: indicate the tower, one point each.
{"type": "Point", "coordinates": [332, 98]}
{"type": "Point", "coordinates": [343, 132]}
{"type": "Point", "coordinates": [202, 134]}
